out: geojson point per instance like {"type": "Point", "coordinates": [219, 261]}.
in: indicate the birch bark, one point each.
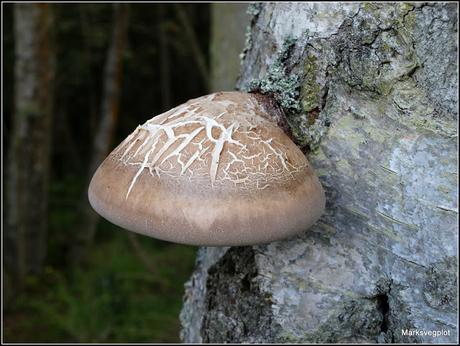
{"type": "Point", "coordinates": [370, 92]}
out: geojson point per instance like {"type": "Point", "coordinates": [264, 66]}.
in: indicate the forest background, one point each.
{"type": "Point", "coordinates": [77, 79]}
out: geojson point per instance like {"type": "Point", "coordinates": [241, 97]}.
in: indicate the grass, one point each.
{"type": "Point", "coordinates": [112, 299]}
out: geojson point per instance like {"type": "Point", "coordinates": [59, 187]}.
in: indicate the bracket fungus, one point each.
{"type": "Point", "coordinates": [217, 170]}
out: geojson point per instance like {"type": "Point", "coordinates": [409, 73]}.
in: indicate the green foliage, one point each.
{"type": "Point", "coordinates": [65, 194]}
{"type": "Point", "coordinates": [112, 299]}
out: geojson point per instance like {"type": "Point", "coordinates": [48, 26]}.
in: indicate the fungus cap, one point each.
{"type": "Point", "coordinates": [217, 171]}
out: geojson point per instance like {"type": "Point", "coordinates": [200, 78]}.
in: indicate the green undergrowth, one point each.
{"type": "Point", "coordinates": [112, 298]}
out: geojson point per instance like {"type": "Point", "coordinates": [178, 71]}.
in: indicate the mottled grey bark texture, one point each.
{"type": "Point", "coordinates": [370, 92]}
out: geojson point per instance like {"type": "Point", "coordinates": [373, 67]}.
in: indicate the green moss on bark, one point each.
{"type": "Point", "coordinates": [310, 93]}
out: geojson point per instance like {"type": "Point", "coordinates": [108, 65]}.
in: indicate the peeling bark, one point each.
{"type": "Point", "coordinates": [370, 92]}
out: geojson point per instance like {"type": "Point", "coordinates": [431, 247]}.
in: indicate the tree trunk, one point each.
{"type": "Point", "coordinates": [29, 155]}
{"type": "Point", "coordinates": [107, 124]}
{"type": "Point", "coordinates": [194, 44]}
{"type": "Point", "coordinates": [228, 27]}
{"type": "Point", "coordinates": [370, 92]}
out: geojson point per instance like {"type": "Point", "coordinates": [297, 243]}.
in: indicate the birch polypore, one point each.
{"type": "Point", "coordinates": [217, 170]}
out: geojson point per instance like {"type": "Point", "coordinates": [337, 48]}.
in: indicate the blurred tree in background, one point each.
{"type": "Point", "coordinates": [78, 79]}
{"type": "Point", "coordinates": [29, 157]}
